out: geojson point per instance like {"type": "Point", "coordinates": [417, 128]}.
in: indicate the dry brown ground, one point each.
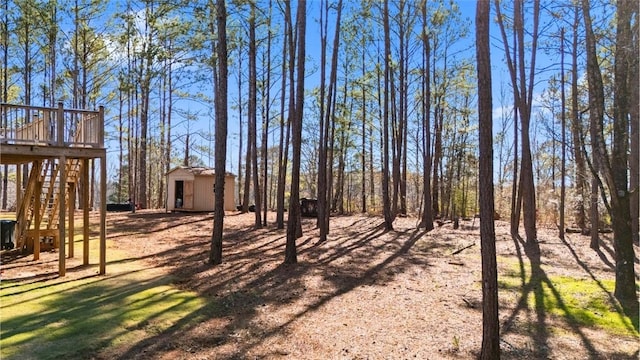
{"type": "Point", "coordinates": [363, 294]}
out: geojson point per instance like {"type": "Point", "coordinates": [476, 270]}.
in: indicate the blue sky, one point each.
{"type": "Point", "coordinates": [204, 113]}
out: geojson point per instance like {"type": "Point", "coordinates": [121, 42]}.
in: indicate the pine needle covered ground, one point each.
{"type": "Point", "coordinates": [363, 294]}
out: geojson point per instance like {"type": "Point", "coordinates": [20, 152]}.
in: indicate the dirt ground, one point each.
{"type": "Point", "coordinates": [363, 294]}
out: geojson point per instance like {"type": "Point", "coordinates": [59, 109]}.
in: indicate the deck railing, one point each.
{"type": "Point", "coordinates": [37, 125]}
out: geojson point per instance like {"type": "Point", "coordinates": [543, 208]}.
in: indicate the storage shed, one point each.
{"type": "Point", "coordinates": [191, 189]}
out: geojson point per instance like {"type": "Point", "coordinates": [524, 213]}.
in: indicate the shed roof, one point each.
{"type": "Point", "coordinates": [197, 170]}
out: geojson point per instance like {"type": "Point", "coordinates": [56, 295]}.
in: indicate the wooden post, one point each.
{"type": "Point", "coordinates": [61, 213]}
{"type": "Point", "coordinates": [101, 127]}
{"type": "Point", "coordinates": [71, 206]}
{"type": "Point", "coordinates": [103, 213]}
{"type": "Point", "coordinates": [37, 166]}
{"type": "Point", "coordinates": [18, 184]}
{"type": "Point", "coordinates": [60, 125]}
{"type": "Point", "coordinates": [85, 212]}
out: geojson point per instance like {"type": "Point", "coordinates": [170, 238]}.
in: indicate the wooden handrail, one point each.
{"type": "Point", "coordinates": [26, 124]}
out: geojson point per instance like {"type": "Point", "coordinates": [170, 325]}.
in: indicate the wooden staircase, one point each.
{"type": "Point", "coordinates": [42, 195]}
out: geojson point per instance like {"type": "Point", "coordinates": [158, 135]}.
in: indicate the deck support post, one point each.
{"type": "Point", "coordinates": [71, 206]}
{"type": "Point", "coordinates": [61, 214]}
{"type": "Point", "coordinates": [85, 211]}
{"type": "Point", "coordinates": [103, 213]}
{"type": "Point", "coordinates": [37, 166]}
{"type": "Point", "coordinates": [60, 125]}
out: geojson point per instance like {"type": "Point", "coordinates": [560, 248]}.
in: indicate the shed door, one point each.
{"type": "Point", "coordinates": [188, 194]}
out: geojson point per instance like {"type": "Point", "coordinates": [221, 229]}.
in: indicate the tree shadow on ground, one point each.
{"type": "Point", "coordinates": [253, 279]}
{"type": "Point", "coordinates": [630, 310]}
{"type": "Point", "coordinates": [538, 280]}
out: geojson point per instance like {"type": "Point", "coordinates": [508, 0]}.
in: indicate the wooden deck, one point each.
{"type": "Point", "coordinates": [56, 144]}
{"type": "Point", "coordinates": [29, 133]}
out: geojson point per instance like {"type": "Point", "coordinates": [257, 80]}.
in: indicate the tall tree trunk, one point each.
{"type": "Point", "coordinates": [167, 154]}
{"type": "Point", "coordinates": [490, 324]}
{"type": "Point", "coordinates": [53, 32]}
{"type": "Point", "coordinates": [634, 151]}
{"type": "Point", "coordinates": [322, 144]}
{"type": "Point", "coordinates": [427, 213]}
{"type": "Point", "coordinates": [5, 94]}
{"type": "Point", "coordinates": [253, 114]}
{"type": "Point", "coordinates": [163, 125]}
{"type": "Point", "coordinates": [580, 175]}
{"type": "Point", "coordinates": [614, 171]}
{"type": "Point", "coordinates": [372, 180]}
{"type": "Point", "coordinates": [338, 199]}
{"type": "Point", "coordinates": [325, 165]}
{"type": "Point", "coordinates": [293, 224]}
{"type": "Point", "coordinates": [248, 163]}
{"type": "Point", "coordinates": [244, 200]}
{"type": "Point", "coordinates": [120, 147]}
{"type": "Point", "coordinates": [596, 116]}
{"type": "Point", "coordinates": [145, 93]}
{"type": "Point", "coordinates": [401, 172]}
{"type": "Point", "coordinates": [523, 95]}
{"type": "Point", "coordinates": [564, 137]}
{"type": "Point", "coordinates": [386, 201]}
{"type": "Point", "coordinates": [215, 257]}
{"type": "Point", "coordinates": [437, 154]}
{"type": "Point", "coordinates": [266, 114]}
{"type": "Point", "coordinates": [526, 174]}
{"type": "Point", "coordinates": [364, 131]}
{"type": "Point", "coordinates": [128, 77]}
{"type": "Point", "coordinates": [26, 75]}
{"type": "Point", "coordinates": [284, 145]}
{"type": "Point", "coordinates": [616, 175]}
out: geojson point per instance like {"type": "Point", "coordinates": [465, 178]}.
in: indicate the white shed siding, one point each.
{"type": "Point", "coordinates": [203, 183]}
{"type": "Point", "coordinates": [229, 193]}
{"type": "Point", "coordinates": [203, 193]}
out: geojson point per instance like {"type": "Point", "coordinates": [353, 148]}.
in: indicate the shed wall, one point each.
{"type": "Point", "coordinates": [203, 193]}
{"type": "Point", "coordinates": [203, 196]}
{"type": "Point", "coordinates": [229, 193]}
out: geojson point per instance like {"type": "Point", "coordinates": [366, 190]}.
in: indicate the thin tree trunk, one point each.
{"type": "Point", "coordinates": [596, 115]}
{"type": "Point", "coordinates": [266, 114]}
{"type": "Point", "coordinates": [529, 194]}
{"type": "Point", "coordinates": [120, 148]}
{"type": "Point", "coordinates": [5, 95]}
{"type": "Point", "coordinates": [253, 114]}
{"type": "Point", "coordinates": [437, 155]}
{"type": "Point", "coordinates": [386, 201]}
{"type": "Point", "coordinates": [215, 257]}
{"type": "Point", "coordinates": [364, 132]}
{"type": "Point", "coordinates": [284, 145]}
{"type": "Point", "coordinates": [634, 146]}
{"type": "Point", "coordinates": [167, 154]}
{"type": "Point", "coordinates": [616, 174]}
{"type": "Point", "coordinates": [247, 164]}
{"type": "Point", "coordinates": [145, 89]}
{"type": "Point", "coordinates": [564, 137]}
{"type": "Point", "coordinates": [580, 175]}
{"type": "Point", "coordinates": [322, 146]}
{"type": "Point", "coordinates": [427, 214]}
{"type": "Point", "coordinates": [326, 158]}
{"type": "Point", "coordinates": [523, 93]}
{"type": "Point", "coordinates": [293, 224]}
{"type": "Point", "coordinates": [244, 199]}
{"type": "Point", "coordinates": [402, 112]}
{"type": "Point", "coordinates": [490, 324]}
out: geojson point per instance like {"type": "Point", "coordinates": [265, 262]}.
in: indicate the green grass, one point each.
{"type": "Point", "coordinates": [61, 318]}
{"type": "Point", "coordinates": [579, 301]}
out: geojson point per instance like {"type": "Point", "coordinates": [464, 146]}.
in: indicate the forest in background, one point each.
{"type": "Point", "coordinates": [151, 64]}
